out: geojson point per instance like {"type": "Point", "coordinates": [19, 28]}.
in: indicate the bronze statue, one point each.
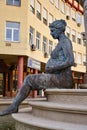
{"type": "Point", "coordinates": [57, 71]}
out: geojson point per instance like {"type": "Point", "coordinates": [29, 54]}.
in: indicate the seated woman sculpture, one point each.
{"type": "Point", "coordinates": [57, 71]}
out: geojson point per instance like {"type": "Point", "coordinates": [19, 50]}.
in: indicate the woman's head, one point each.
{"type": "Point", "coordinates": [57, 27]}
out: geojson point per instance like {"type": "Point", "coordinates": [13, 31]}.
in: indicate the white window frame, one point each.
{"type": "Point", "coordinates": [31, 36]}
{"type": "Point", "coordinates": [79, 38]}
{"type": "Point", "coordinates": [50, 46]}
{"type": "Point", "coordinates": [32, 6]}
{"type": "Point", "coordinates": [52, 1]}
{"type": "Point", "coordinates": [73, 36]}
{"type": "Point", "coordinates": [68, 31]}
{"type": "Point", "coordinates": [79, 58]}
{"type": "Point", "coordinates": [13, 3]}
{"type": "Point", "coordinates": [57, 4]}
{"type": "Point", "coordinates": [44, 44]}
{"type": "Point", "coordinates": [79, 18]}
{"type": "Point", "coordinates": [12, 27]}
{"type": "Point", "coordinates": [38, 35]}
{"type": "Point", "coordinates": [45, 13]}
{"type": "Point", "coordinates": [38, 10]}
{"type": "Point", "coordinates": [45, 16]}
{"type": "Point", "coordinates": [62, 7]}
{"type": "Point", "coordinates": [68, 10]}
{"type": "Point", "coordinates": [73, 15]}
{"type": "Point", "coordinates": [84, 58]}
{"type": "Point", "coordinates": [50, 18]}
{"type": "Point", "coordinates": [74, 53]}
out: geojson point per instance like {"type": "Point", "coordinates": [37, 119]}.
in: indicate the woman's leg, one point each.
{"type": "Point", "coordinates": [31, 82]}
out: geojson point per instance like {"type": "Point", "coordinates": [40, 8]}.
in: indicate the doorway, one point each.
{"type": "Point", "coordinates": [1, 84]}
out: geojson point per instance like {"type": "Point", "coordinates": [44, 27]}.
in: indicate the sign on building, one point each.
{"type": "Point", "coordinates": [33, 64]}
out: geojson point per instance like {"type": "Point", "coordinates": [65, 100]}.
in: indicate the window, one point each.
{"type": "Point", "coordinates": [50, 18]}
{"type": "Point", "coordinates": [57, 3]}
{"type": "Point", "coordinates": [38, 10]}
{"type": "Point", "coordinates": [45, 16]}
{"type": "Point", "coordinates": [84, 42]}
{"type": "Point", "coordinates": [37, 40]}
{"type": "Point", "coordinates": [44, 44]}
{"type": "Point", "coordinates": [13, 2]}
{"type": "Point", "coordinates": [79, 58]}
{"type": "Point", "coordinates": [82, 18]}
{"type": "Point", "coordinates": [12, 31]}
{"type": "Point", "coordinates": [74, 53]}
{"type": "Point", "coordinates": [52, 1]}
{"type": "Point", "coordinates": [73, 36]}
{"type": "Point", "coordinates": [67, 12]}
{"type": "Point", "coordinates": [73, 15]}
{"type": "Point", "coordinates": [84, 59]}
{"type": "Point", "coordinates": [79, 19]}
{"type": "Point", "coordinates": [68, 32]}
{"type": "Point", "coordinates": [79, 38]}
{"type": "Point", "coordinates": [31, 36]}
{"type": "Point", "coordinates": [32, 6]}
{"type": "Point", "coordinates": [62, 7]}
{"type": "Point", "coordinates": [50, 46]}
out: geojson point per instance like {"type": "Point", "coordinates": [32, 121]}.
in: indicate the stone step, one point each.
{"type": "Point", "coordinates": [60, 112]}
{"type": "Point", "coordinates": [67, 96]}
{"type": "Point", "coordinates": [26, 121]}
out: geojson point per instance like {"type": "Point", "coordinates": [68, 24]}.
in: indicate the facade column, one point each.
{"type": "Point", "coordinates": [11, 82]}
{"type": "Point", "coordinates": [20, 71]}
{"type": "Point", "coordinates": [34, 93]}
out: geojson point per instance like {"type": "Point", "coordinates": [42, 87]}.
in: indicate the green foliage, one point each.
{"type": "Point", "coordinates": [7, 126]}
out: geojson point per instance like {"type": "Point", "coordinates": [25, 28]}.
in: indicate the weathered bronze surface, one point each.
{"type": "Point", "coordinates": [57, 71]}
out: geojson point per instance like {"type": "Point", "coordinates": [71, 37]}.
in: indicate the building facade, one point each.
{"type": "Point", "coordinates": [26, 44]}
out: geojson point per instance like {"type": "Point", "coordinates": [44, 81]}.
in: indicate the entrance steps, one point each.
{"type": "Point", "coordinates": [64, 109]}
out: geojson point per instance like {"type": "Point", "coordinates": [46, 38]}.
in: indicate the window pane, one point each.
{"type": "Point", "coordinates": [67, 10]}
{"type": "Point", "coordinates": [13, 2]}
{"type": "Point", "coordinates": [31, 36]}
{"type": "Point", "coordinates": [44, 44]}
{"type": "Point", "coordinates": [38, 40]}
{"type": "Point", "coordinates": [52, 1]}
{"type": "Point", "coordinates": [79, 18]}
{"type": "Point", "coordinates": [50, 18]}
{"type": "Point", "coordinates": [62, 7]}
{"type": "Point", "coordinates": [32, 3]}
{"type": "Point", "coordinates": [10, 2]}
{"type": "Point", "coordinates": [8, 34]}
{"type": "Point", "coordinates": [50, 46]}
{"type": "Point", "coordinates": [57, 3]}
{"type": "Point", "coordinates": [73, 15]}
{"type": "Point", "coordinates": [45, 13]}
{"type": "Point", "coordinates": [17, 2]}
{"type": "Point", "coordinates": [16, 35]}
{"type": "Point", "coordinates": [12, 24]}
{"type": "Point", "coordinates": [79, 59]}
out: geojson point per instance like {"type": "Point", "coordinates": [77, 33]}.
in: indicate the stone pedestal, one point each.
{"type": "Point", "coordinates": [64, 109]}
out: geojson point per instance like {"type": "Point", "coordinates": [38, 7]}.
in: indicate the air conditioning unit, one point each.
{"type": "Point", "coordinates": [33, 47]}
{"type": "Point", "coordinates": [83, 36]}
{"type": "Point", "coordinates": [67, 17]}
{"type": "Point", "coordinates": [75, 64]}
{"type": "Point", "coordinates": [45, 55]}
{"type": "Point", "coordinates": [85, 63]}
{"type": "Point", "coordinates": [78, 24]}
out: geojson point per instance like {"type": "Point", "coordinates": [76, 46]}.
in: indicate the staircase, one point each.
{"type": "Point", "coordinates": [64, 109]}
